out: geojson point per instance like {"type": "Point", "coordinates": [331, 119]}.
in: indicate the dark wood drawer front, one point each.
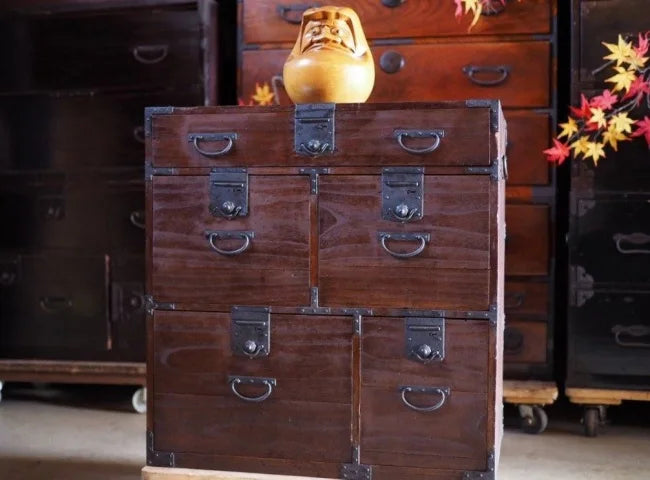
{"type": "Point", "coordinates": [138, 48]}
{"type": "Point", "coordinates": [527, 239]}
{"type": "Point", "coordinates": [519, 72]}
{"type": "Point", "coordinates": [528, 136]}
{"type": "Point", "coordinates": [272, 270]}
{"type": "Point", "coordinates": [78, 132]}
{"type": "Point", "coordinates": [363, 137]}
{"type": "Point", "coordinates": [611, 240]}
{"type": "Point", "coordinates": [278, 21]}
{"type": "Point", "coordinates": [392, 432]}
{"type": "Point", "coordinates": [128, 306]}
{"type": "Point", "coordinates": [307, 415]}
{"type": "Point", "coordinates": [359, 268]}
{"type": "Point", "coordinates": [524, 342]}
{"type": "Point", "coordinates": [610, 333]}
{"type": "Point", "coordinates": [527, 298]}
{"type": "Point", "coordinates": [54, 303]}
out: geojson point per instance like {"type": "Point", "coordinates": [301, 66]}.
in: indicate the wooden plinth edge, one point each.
{"type": "Point", "coordinates": [529, 392]}
{"type": "Point", "coordinates": [55, 371]}
{"type": "Point", "coordinates": [161, 473]}
{"type": "Point", "coordinates": [595, 396]}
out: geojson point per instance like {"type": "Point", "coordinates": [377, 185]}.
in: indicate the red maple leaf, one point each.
{"type": "Point", "coordinates": [643, 128]}
{"type": "Point", "coordinates": [584, 111]}
{"type": "Point", "coordinates": [642, 49]}
{"type": "Point", "coordinates": [638, 87]}
{"type": "Point", "coordinates": [605, 101]}
{"type": "Point", "coordinates": [558, 153]}
{"type": "Point", "coordinates": [459, 8]}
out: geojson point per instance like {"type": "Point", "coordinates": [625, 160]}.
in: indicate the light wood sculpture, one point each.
{"type": "Point", "coordinates": [331, 60]}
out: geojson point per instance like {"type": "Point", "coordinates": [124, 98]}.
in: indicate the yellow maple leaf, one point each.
{"type": "Point", "coordinates": [598, 117]}
{"type": "Point", "coordinates": [580, 146]}
{"type": "Point", "coordinates": [623, 79]}
{"type": "Point", "coordinates": [263, 95]}
{"type": "Point", "coordinates": [612, 136]}
{"type": "Point", "coordinates": [568, 128]}
{"type": "Point", "coordinates": [619, 52]}
{"type": "Point", "coordinates": [595, 151]}
{"type": "Point", "coordinates": [636, 61]}
{"type": "Point", "coordinates": [622, 123]}
{"type": "Point", "coordinates": [476, 8]}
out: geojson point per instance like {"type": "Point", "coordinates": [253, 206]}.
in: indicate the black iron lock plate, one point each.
{"type": "Point", "coordinates": [229, 192]}
{"type": "Point", "coordinates": [402, 194]}
{"type": "Point", "coordinates": [314, 132]}
{"type": "Point", "coordinates": [425, 339]}
{"type": "Point", "coordinates": [250, 332]}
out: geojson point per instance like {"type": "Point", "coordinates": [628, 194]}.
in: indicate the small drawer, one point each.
{"type": "Point", "coordinates": [132, 48]}
{"type": "Point", "coordinates": [528, 136]}
{"type": "Point", "coordinates": [524, 342]}
{"type": "Point", "coordinates": [266, 21]}
{"type": "Point", "coordinates": [527, 239]}
{"type": "Point", "coordinates": [527, 298]}
{"type": "Point", "coordinates": [302, 415]}
{"type": "Point", "coordinates": [517, 73]}
{"type": "Point", "coordinates": [128, 306]}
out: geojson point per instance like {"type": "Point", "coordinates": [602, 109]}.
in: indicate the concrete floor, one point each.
{"type": "Point", "coordinates": [89, 433]}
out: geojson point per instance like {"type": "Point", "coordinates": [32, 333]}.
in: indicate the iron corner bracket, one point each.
{"type": "Point", "coordinates": [493, 105]}
{"type": "Point", "coordinates": [149, 112]}
{"type": "Point", "coordinates": [497, 171]}
{"type": "Point", "coordinates": [151, 305]}
{"type": "Point", "coordinates": [158, 459]}
{"type": "Point", "coordinates": [489, 474]}
{"type": "Point", "coordinates": [150, 171]}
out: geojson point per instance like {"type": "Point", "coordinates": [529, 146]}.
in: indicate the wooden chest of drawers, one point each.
{"type": "Point", "coordinates": [337, 314]}
{"type": "Point", "coordinates": [422, 53]}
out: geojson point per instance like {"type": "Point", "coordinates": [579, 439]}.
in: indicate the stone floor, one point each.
{"type": "Point", "coordinates": [89, 433]}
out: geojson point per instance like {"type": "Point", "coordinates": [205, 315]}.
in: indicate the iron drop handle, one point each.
{"type": "Point", "coordinates": [150, 54]}
{"type": "Point", "coordinates": [502, 71]}
{"type": "Point", "coordinates": [213, 235]}
{"type": "Point", "coordinates": [195, 138]}
{"type": "Point", "coordinates": [631, 331]}
{"type": "Point", "coordinates": [137, 219]}
{"type": "Point", "coordinates": [392, 3]}
{"type": "Point", "coordinates": [633, 238]}
{"type": "Point", "coordinates": [443, 392]}
{"type": "Point", "coordinates": [53, 305]}
{"type": "Point", "coordinates": [492, 7]}
{"type": "Point", "coordinates": [437, 135]}
{"type": "Point", "coordinates": [422, 238]}
{"type": "Point", "coordinates": [514, 300]}
{"type": "Point", "coordinates": [269, 383]}
{"type": "Point", "coordinates": [285, 10]}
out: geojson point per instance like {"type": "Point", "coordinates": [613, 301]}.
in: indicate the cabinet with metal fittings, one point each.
{"type": "Point", "coordinates": [423, 53]}
{"type": "Point", "coordinates": [609, 239]}
{"type": "Point", "coordinates": [76, 77]}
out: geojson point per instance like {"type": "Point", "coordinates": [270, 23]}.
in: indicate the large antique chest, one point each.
{"type": "Point", "coordinates": [325, 289]}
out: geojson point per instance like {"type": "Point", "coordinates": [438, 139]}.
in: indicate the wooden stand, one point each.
{"type": "Point", "coordinates": [530, 397]}
{"type": "Point", "coordinates": [158, 473]}
{"type": "Point", "coordinates": [597, 400]}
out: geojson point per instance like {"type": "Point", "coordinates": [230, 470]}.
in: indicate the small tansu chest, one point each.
{"type": "Point", "coordinates": [325, 289]}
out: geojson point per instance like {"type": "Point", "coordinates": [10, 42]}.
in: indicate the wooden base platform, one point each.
{"type": "Point", "coordinates": [159, 473]}
{"type": "Point", "coordinates": [593, 396]}
{"type": "Point", "coordinates": [529, 392]}
{"type": "Point", "coordinates": [54, 371]}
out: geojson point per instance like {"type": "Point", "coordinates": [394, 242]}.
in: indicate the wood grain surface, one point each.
{"type": "Point", "coordinates": [527, 239]}
{"type": "Point", "coordinates": [531, 344]}
{"type": "Point", "coordinates": [527, 298]}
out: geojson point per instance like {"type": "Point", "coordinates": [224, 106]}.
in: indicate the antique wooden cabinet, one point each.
{"type": "Point", "coordinates": [609, 238]}
{"type": "Point", "coordinates": [326, 289]}
{"type": "Point", "coordinates": [422, 53]}
{"type": "Point", "coordinates": [75, 78]}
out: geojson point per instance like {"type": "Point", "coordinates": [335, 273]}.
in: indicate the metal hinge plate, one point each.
{"type": "Point", "coordinates": [424, 339]}
{"type": "Point", "coordinates": [314, 129]}
{"type": "Point", "coordinates": [158, 459]}
{"type": "Point", "coordinates": [351, 471]}
{"type": "Point", "coordinates": [151, 305]}
{"type": "Point", "coordinates": [229, 192]}
{"type": "Point", "coordinates": [402, 194]}
{"type": "Point", "coordinates": [490, 474]}
{"type": "Point", "coordinates": [250, 333]}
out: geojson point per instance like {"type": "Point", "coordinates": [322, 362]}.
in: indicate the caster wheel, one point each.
{"type": "Point", "coordinates": [139, 400]}
{"type": "Point", "coordinates": [591, 421]}
{"type": "Point", "coordinates": [1, 385]}
{"type": "Point", "coordinates": [533, 419]}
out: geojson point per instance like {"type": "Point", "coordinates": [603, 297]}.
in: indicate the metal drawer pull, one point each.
{"type": "Point", "coordinates": [391, 62]}
{"type": "Point", "coordinates": [517, 298]}
{"type": "Point", "coordinates": [195, 138]}
{"type": "Point", "coordinates": [492, 7]}
{"type": "Point", "coordinates": [392, 3]}
{"type": "Point", "coordinates": [633, 238]}
{"type": "Point", "coordinates": [7, 279]}
{"type": "Point", "coordinates": [442, 391]}
{"type": "Point", "coordinates": [472, 70]}
{"type": "Point", "coordinates": [284, 10]}
{"type": "Point", "coordinates": [221, 235]}
{"type": "Point", "coordinates": [631, 331]}
{"type": "Point", "coordinates": [150, 54]}
{"type": "Point", "coordinates": [55, 304]}
{"type": "Point", "coordinates": [277, 82]}
{"type": "Point", "coordinates": [268, 382]}
{"type": "Point", "coordinates": [423, 238]}
{"type": "Point", "coordinates": [137, 218]}
{"type": "Point", "coordinates": [435, 134]}
{"type": "Point", "coordinates": [138, 134]}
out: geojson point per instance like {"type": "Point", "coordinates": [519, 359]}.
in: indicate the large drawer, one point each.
{"type": "Point", "coordinates": [610, 239]}
{"type": "Point", "coordinates": [130, 48]}
{"type": "Point", "coordinates": [517, 73]}
{"type": "Point", "coordinates": [527, 239]}
{"type": "Point", "coordinates": [266, 21]}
